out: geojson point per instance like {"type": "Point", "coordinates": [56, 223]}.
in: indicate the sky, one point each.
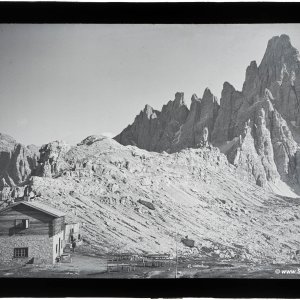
{"type": "Point", "coordinates": [69, 81]}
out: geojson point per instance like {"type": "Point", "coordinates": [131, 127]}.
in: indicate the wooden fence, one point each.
{"type": "Point", "coordinates": [129, 262]}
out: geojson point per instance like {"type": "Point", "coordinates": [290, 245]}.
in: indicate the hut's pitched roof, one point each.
{"type": "Point", "coordinates": [39, 206]}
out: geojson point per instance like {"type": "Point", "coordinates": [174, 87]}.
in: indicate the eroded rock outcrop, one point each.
{"type": "Point", "coordinates": [52, 162]}
{"type": "Point", "coordinates": [17, 161]}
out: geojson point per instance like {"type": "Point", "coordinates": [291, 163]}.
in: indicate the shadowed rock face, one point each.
{"type": "Point", "coordinates": [154, 130]}
{"type": "Point", "coordinates": [263, 117]}
{"type": "Point", "coordinates": [16, 161]}
{"type": "Point", "coordinates": [225, 127]}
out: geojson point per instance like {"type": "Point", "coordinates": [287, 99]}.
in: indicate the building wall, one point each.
{"type": "Point", "coordinates": [57, 225]}
{"type": "Point", "coordinates": [39, 222]}
{"type": "Point", "coordinates": [39, 247]}
{"type": "Point", "coordinates": [41, 237]}
{"type": "Point", "coordinates": [55, 242]}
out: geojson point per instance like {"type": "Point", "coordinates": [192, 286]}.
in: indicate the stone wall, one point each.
{"type": "Point", "coordinates": [39, 247]}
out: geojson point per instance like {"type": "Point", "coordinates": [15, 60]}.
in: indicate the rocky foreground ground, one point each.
{"type": "Point", "coordinates": [85, 265]}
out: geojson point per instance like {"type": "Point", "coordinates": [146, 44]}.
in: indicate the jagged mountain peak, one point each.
{"type": "Point", "coordinates": [179, 98]}
{"type": "Point", "coordinates": [252, 82]}
{"type": "Point", "coordinates": [177, 103]}
{"type": "Point", "coordinates": [148, 108]}
{"type": "Point", "coordinates": [195, 98]}
{"type": "Point", "coordinates": [272, 87]}
{"type": "Point", "coordinates": [207, 94]}
{"type": "Point", "coordinates": [281, 47]}
{"type": "Point", "coordinates": [253, 64]}
{"type": "Point", "coordinates": [282, 40]}
{"type": "Point", "coordinates": [228, 86]}
{"type": "Point", "coordinates": [279, 55]}
{"type": "Point", "coordinates": [207, 91]}
{"type": "Point", "coordinates": [149, 112]}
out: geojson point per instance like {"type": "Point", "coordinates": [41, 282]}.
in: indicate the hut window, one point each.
{"type": "Point", "coordinates": [20, 252]}
{"type": "Point", "coordinates": [22, 223]}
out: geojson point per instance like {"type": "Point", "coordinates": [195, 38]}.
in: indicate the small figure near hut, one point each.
{"type": "Point", "coordinates": [73, 246]}
{"type": "Point", "coordinates": [72, 231]}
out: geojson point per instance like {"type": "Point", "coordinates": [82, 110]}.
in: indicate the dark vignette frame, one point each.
{"type": "Point", "coordinates": [149, 13]}
{"type": "Point", "coordinates": [142, 13]}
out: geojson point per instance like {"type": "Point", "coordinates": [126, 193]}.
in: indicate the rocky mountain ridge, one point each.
{"type": "Point", "coordinates": [130, 199]}
{"type": "Point", "coordinates": [257, 128]}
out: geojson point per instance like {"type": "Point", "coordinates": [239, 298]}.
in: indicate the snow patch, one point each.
{"type": "Point", "coordinates": [224, 148]}
{"type": "Point", "coordinates": [177, 136]}
{"type": "Point", "coordinates": [281, 188]}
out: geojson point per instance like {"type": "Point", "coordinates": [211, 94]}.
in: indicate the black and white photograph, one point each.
{"type": "Point", "coordinates": [149, 151]}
